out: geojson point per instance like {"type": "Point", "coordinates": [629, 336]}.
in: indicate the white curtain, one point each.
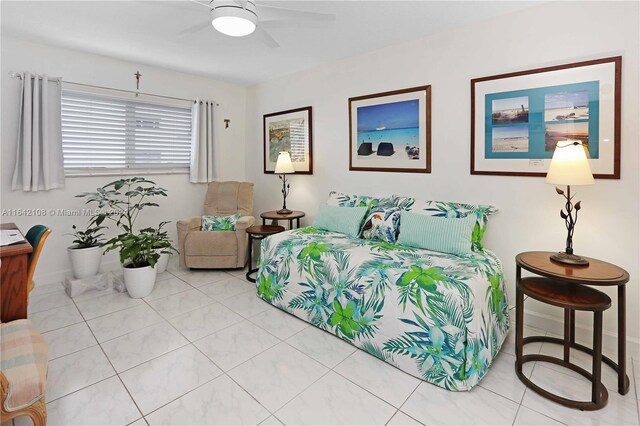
{"type": "Point", "coordinates": [202, 142]}
{"type": "Point", "coordinates": [39, 161]}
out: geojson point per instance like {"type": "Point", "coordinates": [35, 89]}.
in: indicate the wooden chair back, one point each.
{"type": "Point", "coordinates": [36, 236]}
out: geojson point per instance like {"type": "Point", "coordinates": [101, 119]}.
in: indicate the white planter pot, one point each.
{"type": "Point", "coordinates": [85, 262]}
{"type": "Point", "coordinates": [161, 264]}
{"type": "Point", "coordinates": [139, 281]}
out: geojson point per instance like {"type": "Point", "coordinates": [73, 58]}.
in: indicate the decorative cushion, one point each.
{"type": "Point", "coordinates": [451, 210]}
{"type": "Point", "coordinates": [381, 224]}
{"type": "Point", "coordinates": [443, 234]}
{"type": "Point", "coordinates": [346, 220]}
{"type": "Point", "coordinates": [23, 362]}
{"type": "Point", "coordinates": [403, 203]}
{"type": "Point", "coordinates": [220, 223]}
{"type": "Point", "coordinates": [340, 199]}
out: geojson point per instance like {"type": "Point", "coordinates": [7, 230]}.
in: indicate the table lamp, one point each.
{"type": "Point", "coordinates": [569, 166]}
{"type": "Point", "coordinates": [284, 166]}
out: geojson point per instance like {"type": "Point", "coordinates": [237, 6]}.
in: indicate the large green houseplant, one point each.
{"type": "Point", "coordinates": [121, 202]}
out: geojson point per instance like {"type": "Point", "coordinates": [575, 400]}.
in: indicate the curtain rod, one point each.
{"type": "Point", "coordinates": [52, 79]}
{"type": "Point", "coordinates": [59, 80]}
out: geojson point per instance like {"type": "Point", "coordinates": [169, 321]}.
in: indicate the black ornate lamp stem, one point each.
{"type": "Point", "coordinates": [285, 192]}
{"type": "Point", "coordinates": [570, 219]}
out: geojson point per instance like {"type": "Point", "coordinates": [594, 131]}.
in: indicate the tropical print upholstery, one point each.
{"type": "Point", "coordinates": [437, 316]}
{"type": "Point", "coordinates": [220, 223]}
{"type": "Point", "coordinates": [344, 200]}
{"type": "Point", "coordinates": [452, 210]}
{"type": "Point", "coordinates": [381, 224]}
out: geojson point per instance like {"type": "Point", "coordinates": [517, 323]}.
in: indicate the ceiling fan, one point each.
{"type": "Point", "coordinates": [238, 18]}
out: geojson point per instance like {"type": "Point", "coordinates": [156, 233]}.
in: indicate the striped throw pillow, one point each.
{"type": "Point", "coordinates": [346, 220]}
{"type": "Point", "coordinates": [450, 209]}
{"type": "Point", "coordinates": [446, 235]}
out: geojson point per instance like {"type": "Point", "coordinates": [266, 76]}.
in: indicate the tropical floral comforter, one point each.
{"type": "Point", "coordinates": [436, 316]}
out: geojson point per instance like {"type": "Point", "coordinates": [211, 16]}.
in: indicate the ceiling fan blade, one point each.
{"type": "Point", "coordinates": [272, 13]}
{"type": "Point", "coordinates": [266, 38]}
{"type": "Point", "coordinates": [194, 29]}
{"type": "Point", "coordinates": [207, 5]}
{"type": "Point", "coordinates": [294, 23]}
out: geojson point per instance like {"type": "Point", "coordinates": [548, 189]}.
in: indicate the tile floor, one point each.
{"type": "Point", "coordinates": [202, 349]}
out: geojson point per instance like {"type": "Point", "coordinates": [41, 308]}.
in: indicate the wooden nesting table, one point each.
{"type": "Point", "coordinates": [275, 217]}
{"type": "Point", "coordinates": [567, 286]}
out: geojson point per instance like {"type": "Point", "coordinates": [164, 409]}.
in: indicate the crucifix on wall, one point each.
{"type": "Point", "coordinates": [138, 75]}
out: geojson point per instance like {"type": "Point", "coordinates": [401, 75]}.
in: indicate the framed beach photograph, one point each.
{"type": "Point", "coordinates": [391, 131]}
{"type": "Point", "coordinates": [517, 119]}
{"type": "Point", "coordinates": [291, 131]}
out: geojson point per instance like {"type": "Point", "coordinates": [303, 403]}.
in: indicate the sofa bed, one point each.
{"type": "Point", "coordinates": [438, 316]}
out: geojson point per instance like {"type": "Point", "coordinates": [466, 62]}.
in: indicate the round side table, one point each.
{"type": "Point", "coordinates": [571, 298]}
{"type": "Point", "coordinates": [257, 233]}
{"type": "Point", "coordinates": [597, 273]}
{"type": "Point", "coordinates": [274, 216]}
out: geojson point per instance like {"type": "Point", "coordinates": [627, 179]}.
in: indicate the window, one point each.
{"type": "Point", "coordinates": [104, 133]}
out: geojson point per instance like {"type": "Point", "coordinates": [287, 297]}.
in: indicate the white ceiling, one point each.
{"type": "Point", "coordinates": [148, 32]}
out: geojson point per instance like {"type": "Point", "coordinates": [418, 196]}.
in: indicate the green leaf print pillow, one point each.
{"type": "Point", "coordinates": [340, 199]}
{"type": "Point", "coordinates": [220, 223]}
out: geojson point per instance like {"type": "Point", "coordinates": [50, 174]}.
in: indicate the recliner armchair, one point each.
{"type": "Point", "coordinates": [218, 249]}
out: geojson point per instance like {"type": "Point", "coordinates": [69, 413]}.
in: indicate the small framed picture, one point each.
{"type": "Point", "coordinates": [391, 131]}
{"type": "Point", "coordinates": [518, 118]}
{"type": "Point", "coordinates": [291, 131]}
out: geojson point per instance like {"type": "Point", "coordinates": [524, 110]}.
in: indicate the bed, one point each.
{"type": "Point", "coordinates": [436, 316]}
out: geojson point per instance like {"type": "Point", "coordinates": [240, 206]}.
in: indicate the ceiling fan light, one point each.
{"type": "Point", "coordinates": [234, 21]}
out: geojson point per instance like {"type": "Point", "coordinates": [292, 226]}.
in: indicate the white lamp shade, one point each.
{"type": "Point", "coordinates": [234, 21]}
{"type": "Point", "coordinates": [569, 165]}
{"type": "Point", "coordinates": [284, 164]}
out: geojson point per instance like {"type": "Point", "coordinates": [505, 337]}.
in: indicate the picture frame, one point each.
{"type": "Point", "coordinates": [517, 118]}
{"type": "Point", "coordinates": [290, 130]}
{"type": "Point", "coordinates": [391, 131]}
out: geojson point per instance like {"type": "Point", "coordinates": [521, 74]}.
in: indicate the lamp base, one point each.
{"type": "Point", "coordinates": [569, 259]}
{"type": "Point", "coordinates": [284, 211]}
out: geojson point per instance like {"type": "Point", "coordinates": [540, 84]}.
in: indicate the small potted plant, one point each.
{"type": "Point", "coordinates": [138, 257]}
{"type": "Point", "coordinates": [85, 254]}
{"type": "Point", "coordinates": [122, 201]}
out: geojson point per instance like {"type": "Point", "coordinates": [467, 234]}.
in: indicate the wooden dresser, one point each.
{"type": "Point", "coordinates": [13, 278]}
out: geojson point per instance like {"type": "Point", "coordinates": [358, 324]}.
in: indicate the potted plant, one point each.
{"type": "Point", "coordinates": [163, 246]}
{"type": "Point", "coordinates": [138, 258]}
{"type": "Point", "coordinates": [121, 201]}
{"type": "Point", "coordinates": [85, 254]}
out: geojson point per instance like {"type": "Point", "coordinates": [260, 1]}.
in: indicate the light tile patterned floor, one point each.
{"type": "Point", "coordinates": [202, 349]}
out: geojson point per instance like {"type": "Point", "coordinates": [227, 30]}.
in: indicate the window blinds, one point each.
{"type": "Point", "coordinates": [103, 132]}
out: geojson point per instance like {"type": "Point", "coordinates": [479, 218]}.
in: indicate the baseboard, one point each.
{"type": "Point", "coordinates": [583, 333]}
{"type": "Point", "coordinates": [59, 276]}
